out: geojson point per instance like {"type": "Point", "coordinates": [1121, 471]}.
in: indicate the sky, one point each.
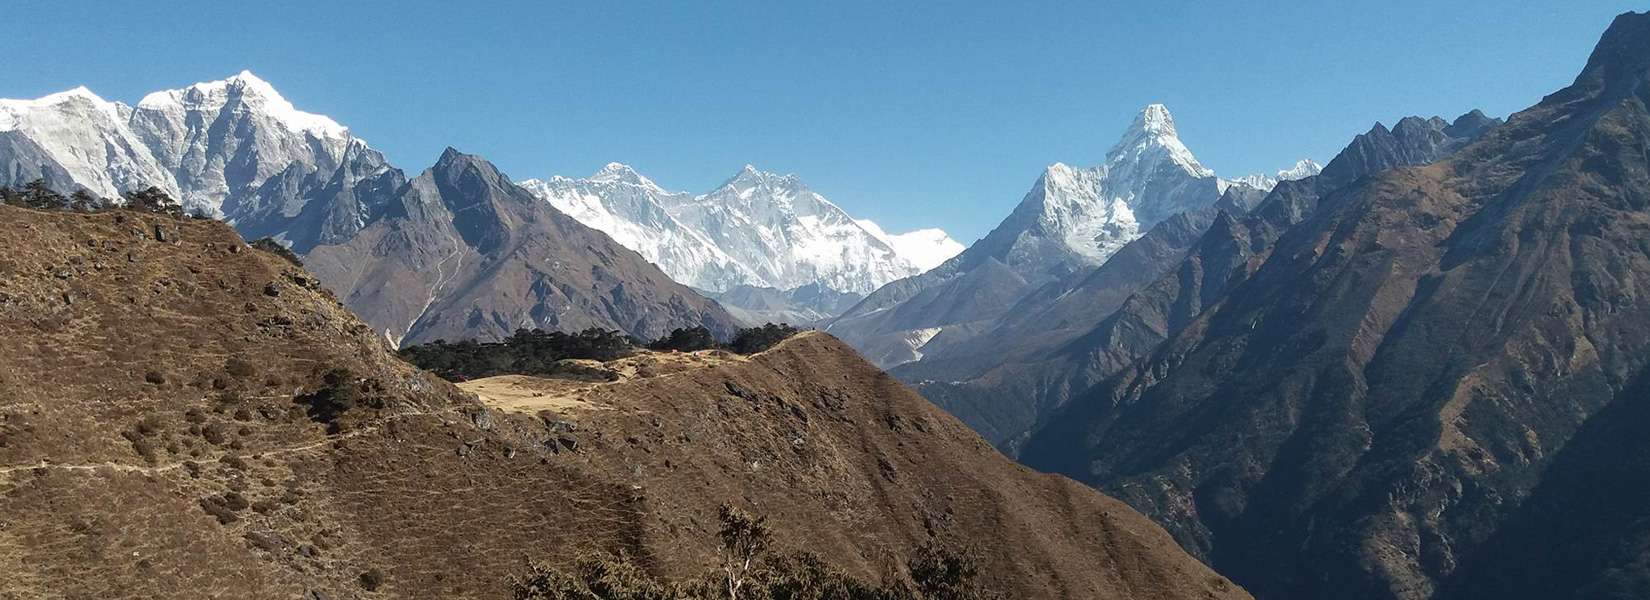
{"type": "Point", "coordinates": [932, 114]}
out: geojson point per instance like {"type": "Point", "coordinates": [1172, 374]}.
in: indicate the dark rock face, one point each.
{"type": "Point", "coordinates": [460, 252]}
{"type": "Point", "coordinates": [1063, 339]}
{"type": "Point", "coordinates": [307, 207]}
{"type": "Point", "coordinates": [1430, 386]}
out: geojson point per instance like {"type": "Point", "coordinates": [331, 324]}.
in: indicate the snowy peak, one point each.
{"type": "Point", "coordinates": [1154, 119]}
{"type": "Point", "coordinates": [1302, 169]}
{"type": "Point", "coordinates": [1075, 218]}
{"type": "Point", "coordinates": [615, 172]}
{"type": "Point", "coordinates": [750, 178]}
{"type": "Point", "coordinates": [244, 89]}
{"type": "Point", "coordinates": [1150, 140]}
{"type": "Point", "coordinates": [925, 248]}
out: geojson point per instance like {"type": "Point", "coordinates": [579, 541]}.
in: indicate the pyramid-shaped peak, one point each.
{"type": "Point", "coordinates": [615, 170]}
{"type": "Point", "coordinates": [1152, 138]}
{"type": "Point", "coordinates": [622, 173]}
{"type": "Point", "coordinates": [1155, 119]}
{"type": "Point", "coordinates": [751, 176]}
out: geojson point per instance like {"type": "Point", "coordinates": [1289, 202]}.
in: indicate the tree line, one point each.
{"type": "Point", "coordinates": [38, 195]}
{"type": "Point", "coordinates": [538, 352]}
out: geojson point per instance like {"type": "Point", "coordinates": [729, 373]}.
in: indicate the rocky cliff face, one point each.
{"type": "Point", "coordinates": [279, 449]}
{"type": "Point", "coordinates": [1417, 375]}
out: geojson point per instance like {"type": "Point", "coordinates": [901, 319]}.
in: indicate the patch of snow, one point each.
{"type": "Point", "coordinates": [918, 338]}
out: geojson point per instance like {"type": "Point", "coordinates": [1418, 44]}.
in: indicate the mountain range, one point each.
{"type": "Point", "coordinates": [237, 150]}
{"type": "Point", "coordinates": [1420, 371]}
{"type": "Point", "coordinates": [756, 230]}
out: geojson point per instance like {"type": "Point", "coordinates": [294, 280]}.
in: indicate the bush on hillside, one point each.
{"type": "Point", "coordinates": [273, 247]}
{"type": "Point", "coordinates": [750, 572]}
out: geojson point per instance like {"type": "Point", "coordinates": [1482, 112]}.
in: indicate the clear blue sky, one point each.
{"type": "Point", "coordinates": [934, 115]}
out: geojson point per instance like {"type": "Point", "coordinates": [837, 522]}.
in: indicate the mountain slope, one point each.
{"type": "Point", "coordinates": [278, 448]}
{"type": "Point", "coordinates": [1406, 382]}
{"type": "Point", "coordinates": [463, 253]}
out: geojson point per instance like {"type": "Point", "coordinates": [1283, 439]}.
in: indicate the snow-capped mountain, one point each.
{"type": "Point", "coordinates": [630, 208]}
{"type": "Point", "coordinates": [1075, 218]}
{"type": "Point", "coordinates": [758, 229]}
{"type": "Point", "coordinates": [1303, 168]}
{"type": "Point", "coordinates": [234, 149]}
{"type": "Point", "coordinates": [1070, 222]}
{"type": "Point", "coordinates": [221, 139]}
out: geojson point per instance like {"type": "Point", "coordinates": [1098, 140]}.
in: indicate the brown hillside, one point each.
{"type": "Point", "coordinates": [166, 431]}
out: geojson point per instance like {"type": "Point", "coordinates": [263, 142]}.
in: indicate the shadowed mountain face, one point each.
{"type": "Point", "coordinates": [183, 416]}
{"type": "Point", "coordinates": [1427, 387]}
{"type": "Point", "coordinates": [461, 252]}
{"type": "Point", "coordinates": [1058, 342]}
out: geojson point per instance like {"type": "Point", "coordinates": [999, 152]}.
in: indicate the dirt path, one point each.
{"type": "Point", "coordinates": [162, 468]}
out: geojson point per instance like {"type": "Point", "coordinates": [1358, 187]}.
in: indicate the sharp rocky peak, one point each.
{"type": "Point", "coordinates": [453, 163]}
{"type": "Point", "coordinates": [1621, 60]}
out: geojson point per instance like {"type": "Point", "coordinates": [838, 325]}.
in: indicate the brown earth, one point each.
{"type": "Point", "coordinates": [163, 433]}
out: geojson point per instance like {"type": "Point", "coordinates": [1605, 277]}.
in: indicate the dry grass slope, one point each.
{"type": "Point", "coordinates": [157, 440]}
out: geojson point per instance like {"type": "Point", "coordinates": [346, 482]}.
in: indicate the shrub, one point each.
{"type": "Point", "coordinates": [273, 247]}
{"type": "Point", "coordinates": [153, 200]}
{"type": "Point", "coordinates": [340, 392]}
{"type": "Point", "coordinates": [371, 579]}
{"type": "Point", "coordinates": [239, 368]}
{"type": "Point", "coordinates": [749, 572]}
